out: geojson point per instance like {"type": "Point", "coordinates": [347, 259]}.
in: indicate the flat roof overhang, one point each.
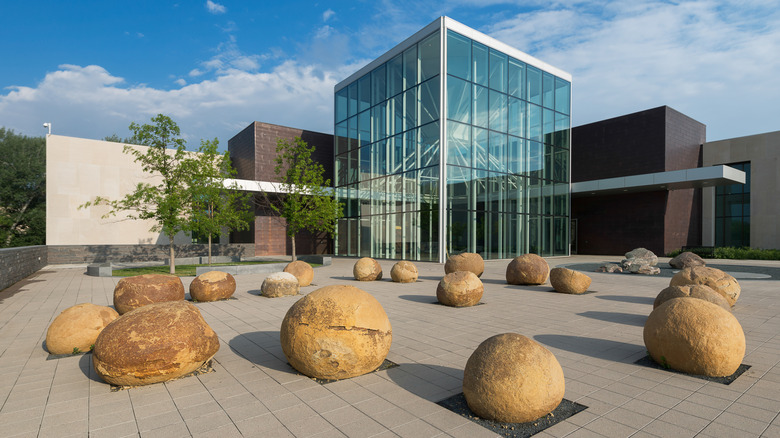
{"type": "Point", "coordinates": [672, 180]}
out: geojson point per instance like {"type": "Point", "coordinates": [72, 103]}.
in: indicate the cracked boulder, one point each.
{"type": "Point", "coordinates": [527, 269]}
{"type": "Point", "coordinates": [404, 272]}
{"type": "Point", "coordinates": [460, 289]}
{"type": "Point", "coordinates": [467, 261]}
{"type": "Point", "coordinates": [302, 271]}
{"type": "Point", "coordinates": [76, 328]}
{"type": "Point", "coordinates": [212, 286]}
{"type": "Point", "coordinates": [280, 284]}
{"type": "Point", "coordinates": [133, 292]}
{"type": "Point", "coordinates": [716, 279]}
{"type": "Point", "coordinates": [699, 291]}
{"type": "Point", "coordinates": [367, 269]}
{"type": "Point", "coordinates": [336, 332]}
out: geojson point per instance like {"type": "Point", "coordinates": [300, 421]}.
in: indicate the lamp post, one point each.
{"type": "Point", "coordinates": [47, 125]}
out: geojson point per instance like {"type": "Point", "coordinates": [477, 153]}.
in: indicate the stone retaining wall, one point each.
{"type": "Point", "coordinates": [77, 254]}
{"type": "Point", "coordinates": [18, 263]}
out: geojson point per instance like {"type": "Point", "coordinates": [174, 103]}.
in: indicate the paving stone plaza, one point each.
{"type": "Point", "coordinates": [596, 337]}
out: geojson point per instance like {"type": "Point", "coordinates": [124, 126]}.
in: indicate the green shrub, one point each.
{"type": "Point", "coordinates": [732, 253]}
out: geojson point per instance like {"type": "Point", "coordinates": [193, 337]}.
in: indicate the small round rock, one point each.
{"type": "Point", "coordinates": [716, 279]}
{"type": "Point", "coordinates": [212, 286]}
{"type": "Point", "coordinates": [280, 284]}
{"type": "Point", "coordinates": [133, 292]}
{"type": "Point", "coordinates": [367, 269]}
{"type": "Point", "coordinates": [404, 272]}
{"type": "Point", "coordinates": [302, 271]}
{"type": "Point", "coordinates": [511, 378]}
{"type": "Point", "coordinates": [460, 289]}
{"type": "Point", "coordinates": [699, 291]}
{"type": "Point", "coordinates": [686, 260]}
{"type": "Point", "coordinates": [527, 269]}
{"type": "Point", "coordinates": [569, 281]}
{"type": "Point", "coordinates": [77, 328]}
{"type": "Point", "coordinates": [466, 261]}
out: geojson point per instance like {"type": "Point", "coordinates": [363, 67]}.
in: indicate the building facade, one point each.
{"type": "Point", "coordinates": [450, 142]}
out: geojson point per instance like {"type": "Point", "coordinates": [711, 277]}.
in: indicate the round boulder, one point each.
{"type": "Point", "coordinates": [513, 379]}
{"type": "Point", "coordinates": [460, 289]}
{"type": "Point", "coordinates": [404, 272]}
{"type": "Point", "coordinates": [280, 284]}
{"type": "Point", "coordinates": [716, 279]}
{"type": "Point", "coordinates": [212, 286]}
{"type": "Point", "coordinates": [699, 291]}
{"type": "Point", "coordinates": [569, 281]}
{"type": "Point", "coordinates": [302, 271]}
{"type": "Point", "coordinates": [336, 332]}
{"type": "Point", "coordinates": [696, 337]}
{"type": "Point", "coordinates": [527, 269]}
{"type": "Point", "coordinates": [686, 260]}
{"type": "Point", "coordinates": [154, 343]}
{"type": "Point", "coordinates": [367, 269]}
{"type": "Point", "coordinates": [76, 328]}
{"type": "Point", "coordinates": [133, 292]}
{"type": "Point", "coordinates": [467, 261]}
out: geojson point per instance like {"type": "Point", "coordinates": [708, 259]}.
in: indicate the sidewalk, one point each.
{"type": "Point", "coordinates": [596, 337]}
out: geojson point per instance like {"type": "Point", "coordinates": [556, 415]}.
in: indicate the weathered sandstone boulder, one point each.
{"type": "Point", "coordinates": [467, 261]}
{"type": "Point", "coordinates": [511, 378]}
{"type": "Point", "coordinates": [716, 279]}
{"type": "Point", "coordinates": [404, 272]}
{"type": "Point", "coordinates": [643, 268]}
{"type": "Point", "coordinates": [640, 256]}
{"type": "Point", "coordinates": [133, 292]}
{"type": "Point", "coordinates": [212, 286]}
{"type": "Point", "coordinates": [699, 291]}
{"type": "Point", "coordinates": [280, 284]}
{"type": "Point", "coordinates": [527, 269]}
{"type": "Point", "coordinates": [336, 332]}
{"type": "Point", "coordinates": [77, 327]}
{"type": "Point", "coordinates": [695, 336]}
{"type": "Point", "coordinates": [686, 260]}
{"type": "Point", "coordinates": [367, 269]}
{"type": "Point", "coordinates": [154, 343]}
{"type": "Point", "coordinates": [569, 281]}
{"type": "Point", "coordinates": [610, 268]}
{"type": "Point", "coordinates": [302, 271]}
{"type": "Point", "coordinates": [460, 289]}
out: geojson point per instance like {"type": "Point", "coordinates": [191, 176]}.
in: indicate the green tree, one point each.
{"type": "Point", "coordinates": [22, 189]}
{"type": "Point", "coordinates": [306, 201]}
{"type": "Point", "coordinates": [167, 202]}
{"type": "Point", "coordinates": [215, 205]}
{"type": "Point", "coordinates": [117, 139]}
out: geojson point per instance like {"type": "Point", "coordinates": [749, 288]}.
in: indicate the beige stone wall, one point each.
{"type": "Point", "coordinates": [79, 169]}
{"type": "Point", "coordinates": [763, 153]}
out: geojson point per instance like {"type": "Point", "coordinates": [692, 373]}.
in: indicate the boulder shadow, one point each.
{"type": "Point", "coordinates": [594, 347]}
{"type": "Point", "coordinates": [616, 317]}
{"type": "Point", "coordinates": [345, 278]}
{"type": "Point", "coordinates": [628, 299]}
{"type": "Point", "coordinates": [262, 348]}
{"type": "Point", "coordinates": [86, 367]}
{"type": "Point", "coordinates": [427, 299]}
{"type": "Point", "coordinates": [430, 277]}
{"type": "Point", "coordinates": [430, 382]}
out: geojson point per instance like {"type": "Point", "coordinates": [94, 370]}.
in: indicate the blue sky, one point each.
{"type": "Point", "coordinates": [90, 68]}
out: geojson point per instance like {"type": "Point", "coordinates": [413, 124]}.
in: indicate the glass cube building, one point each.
{"type": "Point", "coordinates": [453, 142]}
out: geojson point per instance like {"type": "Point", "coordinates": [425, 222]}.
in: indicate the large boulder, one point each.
{"type": "Point", "coordinates": [404, 272]}
{"type": "Point", "coordinates": [367, 269]}
{"type": "Point", "coordinates": [460, 289]}
{"type": "Point", "coordinates": [154, 343]}
{"type": "Point", "coordinates": [686, 260]}
{"type": "Point", "coordinates": [640, 256]}
{"type": "Point", "coordinates": [280, 284]}
{"type": "Point", "coordinates": [336, 332]}
{"type": "Point", "coordinates": [511, 378]}
{"type": "Point", "coordinates": [302, 271]}
{"type": "Point", "coordinates": [643, 268]}
{"type": "Point", "coordinates": [77, 328]}
{"type": "Point", "coordinates": [699, 291]}
{"type": "Point", "coordinates": [696, 337]}
{"type": "Point", "coordinates": [716, 279]}
{"type": "Point", "coordinates": [133, 292]}
{"type": "Point", "coordinates": [527, 269]}
{"type": "Point", "coordinates": [212, 286]}
{"type": "Point", "coordinates": [569, 281]}
{"type": "Point", "coordinates": [467, 261]}
{"type": "Point", "coordinates": [610, 267]}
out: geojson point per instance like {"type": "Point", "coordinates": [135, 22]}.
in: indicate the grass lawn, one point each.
{"type": "Point", "coordinates": [181, 270]}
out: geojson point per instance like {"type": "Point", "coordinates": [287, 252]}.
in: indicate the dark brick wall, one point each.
{"type": "Point", "coordinates": [66, 254]}
{"type": "Point", "coordinates": [19, 263]}
{"type": "Point", "coordinates": [242, 155]}
{"type": "Point", "coordinates": [684, 139]}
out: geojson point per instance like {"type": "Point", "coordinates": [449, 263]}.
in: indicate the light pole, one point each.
{"type": "Point", "coordinates": [47, 125]}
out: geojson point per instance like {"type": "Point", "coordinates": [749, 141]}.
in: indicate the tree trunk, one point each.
{"type": "Point", "coordinates": [209, 249]}
{"type": "Point", "coordinates": [292, 239]}
{"type": "Point", "coordinates": [172, 255]}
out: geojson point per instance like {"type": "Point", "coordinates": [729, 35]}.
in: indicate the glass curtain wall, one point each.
{"type": "Point", "coordinates": [732, 211]}
{"type": "Point", "coordinates": [387, 157]}
{"type": "Point", "coordinates": [507, 127]}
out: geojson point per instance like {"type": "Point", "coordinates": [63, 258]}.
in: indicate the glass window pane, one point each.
{"type": "Point", "coordinates": [498, 111]}
{"type": "Point", "coordinates": [561, 236]}
{"type": "Point", "coordinates": [498, 67]}
{"type": "Point", "coordinates": [516, 78]}
{"type": "Point", "coordinates": [458, 144]}
{"type": "Point", "coordinates": [479, 59]}
{"type": "Point", "coordinates": [379, 122]}
{"type": "Point", "coordinates": [516, 151]}
{"type": "Point", "coordinates": [429, 57]}
{"type": "Point", "coordinates": [561, 165]}
{"type": "Point", "coordinates": [458, 192]}
{"type": "Point", "coordinates": [534, 85]}
{"type": "Point", "coordinates": [354, 166]}
{"type": "Point", "coordinates": [395, 77]}
{"type": "Point", "coordinates": [396, 158]}
{"type": "Point", "coordinates": [429, 101]}
{"type": "Point", "coordinates": [458, 100]}
{"type": "Point", "coordinates": [517, 116]}
{"type": "Point", "coordinates": [562, 96]}
{"type": "Point", "coordinates": [410, 109]}
{"type": "Point", "coordinates": [410, 67]}
{"type": "Point", "coordinates": [481, 106]}
{"type": "Point", "coordinates": [480, 183]}
{"type": "Point", "coordinates": [364, 128]}
{"type": "Point", "coordinates": [352, 127]}
{"type": "Point", "coordinates": [397, 114]}
{"type": "Point", "coordinates": [480, 148]}
{"type": "Point", "coordinates": [497, 152]}
{"type": "Point", "coordinates": [535, 122]}
{"type": "Point", "coordinates": [561, 130]}
{"type": "Point", "coordinates": [353, 99]}
{"type": "Point", "coordinates": [458, 55]}
{"type": "Point", "coordinates": [410, 150]}
{"type": "Point", "coordinates": [342, 139]}
{"type": "Point", "coordinates": [365, 163]}
{"type": "Point", "coordinates": [429, 188]}
{"type": "Point", "coordinates": [548, 88]}
{"type": "Point", "coordinates": [342, 96]}
{"type": "Point", "coordinates": [548, 126]}
{"type": "Point", "coordinates": [535, 159]}
{"type": "Point", "coordinates": [548, 163]}
{"type": "Point", "coordinates": [364, 93]}
{"type": "Point", "coordinates": [429, 144]}
{"type": "Point", "coordinates": [378, 85]}
{"type": "Point", "coordinates": [342, 164]}
{"type": "Point", "coordinates": [458, 231]}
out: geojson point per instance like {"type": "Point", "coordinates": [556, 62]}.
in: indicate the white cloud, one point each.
{"type": "Point", "coordinates": [328, 14]}
{"type": "Point", "coordinates": [180, 82]}
{"type": "Point", "coordinates": [215, 8]}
